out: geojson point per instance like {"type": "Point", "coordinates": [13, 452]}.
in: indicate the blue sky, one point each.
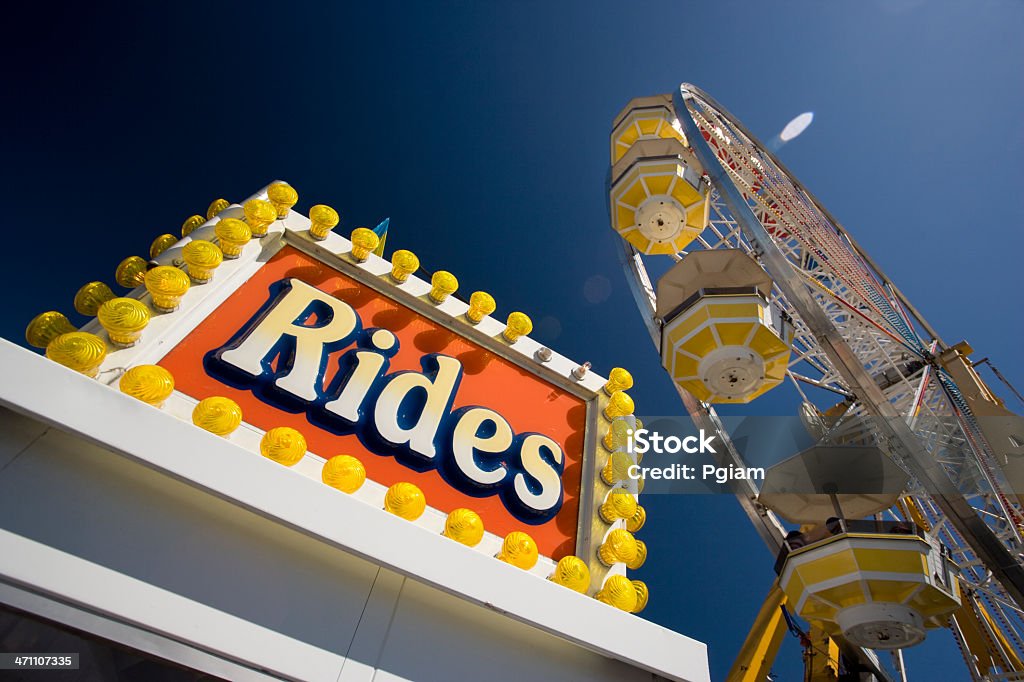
{"type": "Point", "coordinates": [481, 129]}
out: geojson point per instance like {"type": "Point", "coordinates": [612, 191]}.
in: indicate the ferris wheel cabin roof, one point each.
{"type": "Point", "coordinates": [706, 270]}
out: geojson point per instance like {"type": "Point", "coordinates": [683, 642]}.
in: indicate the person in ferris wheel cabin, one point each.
{"type": "Point", "coordinates": [795, 539]}
{"type": "Point", "coordinates": [832, 526]}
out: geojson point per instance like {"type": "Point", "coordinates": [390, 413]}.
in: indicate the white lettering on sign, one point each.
{"type": "Point", "coordinates": [283, 354]}
{"type": "Point", "coordinates": [546, 471]}
{"type": "Point", "coordinates": [438, 390]}
{"type": "Point", "coordinates": [467, 441]}
{"type": "Point", "coordinates": [286, 322]}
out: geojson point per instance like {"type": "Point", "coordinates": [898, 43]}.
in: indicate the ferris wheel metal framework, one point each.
{"type": "Point", "coordinates": [858, 338]}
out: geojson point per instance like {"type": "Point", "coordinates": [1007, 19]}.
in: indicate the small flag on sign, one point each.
{"type": "Point", "coordinates": [382, 232]}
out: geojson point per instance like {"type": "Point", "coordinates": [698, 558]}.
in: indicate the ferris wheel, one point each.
{"type": "Point", "coordinates": [758, 286]}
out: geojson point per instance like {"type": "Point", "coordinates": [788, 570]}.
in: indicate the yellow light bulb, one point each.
{"type": "Point", "coordinates": [642, 595]}
{"type": "Point", "coordinates": [166, 285]}
{"type": "Point", "coordinates": [617, 435]}
{"type": "Point", "coordinates": [123, 319]}
{"type": "Point", "coordinates": [259, 214]}
{"type": "Point", "coordinates": [618, 546]}
{"type": "Point", "coordinates": [91, 296]}
{"type": "Point", "coordinates": [284, 445]}
{"type": "Point", "coordinates": [233, 235]}
{"type": "Point", "coordinates": [161, 244]}
{"type": "Point", "coordinates": [202, 258]}
{"type": "Point", "coordinates": [617, 468]}
{"type": "Point", "coordinates": [619, 504]}
{"type": "Point", "coordinates": [619, 405]}
{"type": "Point", "coordinates": [216, 206]}
{"type": "Point", "coordinates": [218, 415]}
{"type": "Point", "coordinates": [152, 384]}
{"type": "Point", "coordinates": [518, 324]}
{"type": "Point", "coordinates": [572, 572]}
{"type": "Point", "coordinates": [190, 224]}
{"type": "Point", "coordinates": [618, 591]}
{"type": "Point", "coordinates": [322, 219]}
{"type": "Point", "coordinates": [481, 304]}
{"type": "Point", "coordinates": [283, 196]}
{"type": "Point", "coordinates": [637, 521]}
{"type": "Point", "coordinates": [519, 549]}
{"type": "Point", "coordinates": [618, 380]}
{"type": "Point", "coordinates": [131, 271]}
{"type": "Point", "coordinates": [364, 241]}
{"type": "Point", "coordinates": [405, 500]}
{"type": "Point", "coordinates": [45, 327]}
{"type": "Point", "coordinates": [640, 558]}
{"type": "Point", "coordinates": [80, 351]}
{"type": "Point", "coordinates": [403, 264]}
{"type": "Point", "coordinates": [344, 472]}
{"type": "Point", "coordinates": [465, 526]}
{"type": "Point", "coordinates": [442, 285]}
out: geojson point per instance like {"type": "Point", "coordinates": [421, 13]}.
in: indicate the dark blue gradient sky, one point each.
{"type": "Point", "coordinates": [481, 129]}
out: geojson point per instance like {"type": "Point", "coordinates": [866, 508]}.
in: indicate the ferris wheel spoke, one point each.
{"type": "Point", "coordinates": [786, 205]}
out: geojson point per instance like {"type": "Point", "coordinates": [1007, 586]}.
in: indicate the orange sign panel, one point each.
{"type": "Point", "coordinates": [301, 344]}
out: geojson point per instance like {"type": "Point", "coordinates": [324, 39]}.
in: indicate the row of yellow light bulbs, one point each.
{"type": "Point", "coordinates": [125, 318]}
{"type": "Point", "coordinates": [616, 469]}
{"type": "Point", "coordinates": [232, 234]}
{"type": "Point", "coordinates": [364, 242]}
{"type": "Point", "coordinates": [620, 503]}
{"type": "Point", "coordinates": [221, 416]}
{"type": "Point", "coordinates": [620, 545]}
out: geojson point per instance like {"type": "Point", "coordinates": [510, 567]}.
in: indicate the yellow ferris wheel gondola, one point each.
{"type": "Point", "coordinates": [878, 584]}
{"type": "Point", "coordinates": [658, 193]}
{"type": "Point", "coordinates": [644, 117]}
{"type": "Point", "coordinates": [722, 340]}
